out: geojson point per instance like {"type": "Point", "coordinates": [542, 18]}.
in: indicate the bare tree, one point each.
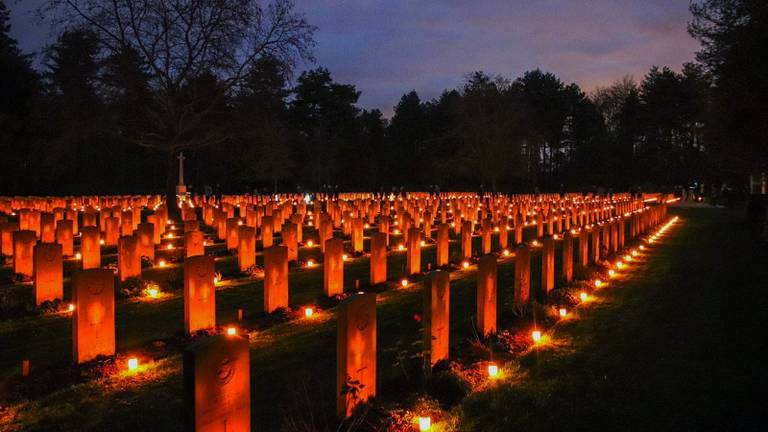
{"type": "Point", "coordinates": [181, 41]}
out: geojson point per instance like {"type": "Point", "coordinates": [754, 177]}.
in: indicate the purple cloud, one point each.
{"type": "Point", "coordinates": [389, 47]}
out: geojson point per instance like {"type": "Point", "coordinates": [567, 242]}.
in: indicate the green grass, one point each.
{"type": "Point", "coordinates": [293, 364]}
{"type": "Point", "coordinates": [284, 358]}
{"type": "Point", "coordinates": [680, 345]}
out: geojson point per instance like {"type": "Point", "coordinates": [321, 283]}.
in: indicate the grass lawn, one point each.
{"type": "Point", "coordinates": [680, 345]}
{"type": "Point", "coordinates": [676, 343]}
{"type": "Point", "coordinates": [293, 364]}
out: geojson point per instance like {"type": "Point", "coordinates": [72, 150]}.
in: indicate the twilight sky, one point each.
{"type": "Point", "coordinates": [389, 47]}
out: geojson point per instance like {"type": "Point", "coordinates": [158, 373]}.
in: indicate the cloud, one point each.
{"type": "Point", "coordinates": [389, 47]}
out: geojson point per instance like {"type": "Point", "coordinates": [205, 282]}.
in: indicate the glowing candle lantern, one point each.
{"type": "Point", "coordinates": [505, 253]}
{"type": "Point", "coordinates": [309, 312]}
{"type": "Point", "coordinates": [425, 423]}
{"type": "Point", "coordinates": [153, 292]}
{"type": "Point", "coordinates": [583, 296]}
{"type": "Point", "coordinates": [619, 265]}
{"type": "Point", "coordinates": [563, 312]}
{"type": "Point", "coordinates": [536, 336]}
{"type": "Point", "coordinates": [71, 308]}
{"type": "Point", "coordinates": [310, 263]}
{"type": "Point", "coordinates": [310, 243]}
{"type": "Point", "coordinates": [493, 370]}
{"type": "Point", "coordinates": [133, 364]}
{"type": "Point", "coordinates": [400, 247]}
{"type": "Point", "coordinates": [161, 263]}
{"type": "Point", "coordinates": [465, 264]}
{"type": "Point", "coordinates": [611, 273]}
{"type": "Point", "coordinates": [231, 331]}
{"type": "Point", "coordinates": [78, 256]}
{"type": "Point", "coordinates": [344, 257]}
{"type": "Point", "coordinates": [404, 283]}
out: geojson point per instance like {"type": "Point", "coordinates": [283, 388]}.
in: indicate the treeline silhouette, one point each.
{"type": "Point", "coordinates": [79, 122]}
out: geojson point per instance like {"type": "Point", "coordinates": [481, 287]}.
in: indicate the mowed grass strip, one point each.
{"type": "Point", "coordinates": [678, 345]}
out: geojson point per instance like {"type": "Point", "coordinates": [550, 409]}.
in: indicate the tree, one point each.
{"type": "Point", "coordinates": [406, 134]}
{"type": "Point", "coordinates": [733, 33]}
{"type": "Point", "coordinates": [324, 114]}
{"type": "Point", "coordinates": [182, 40]}
{"type": "Point", "coordinates": [71, 147]}
{"type": "Point", "coordinates": [19, 94]}
{"type": "Point", "coordinates": [262, 146]}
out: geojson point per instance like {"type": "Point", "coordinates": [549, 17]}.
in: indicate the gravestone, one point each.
{"type": "Point", "coordinates": [378, 259]}
{"type": "Point", "coordinates": [275, 278]}
{"type": "Point", "coordinates": [194, 243]}
{"type": "Point", "coordinates": [128, 258]}
{"type": "Point", "coordinates": [522, 290]}
{"type": "Point", "coordinates": [65, 237]}
{"type": "Point", "coordinates": [246, 250]}
{"type": "Point", "coordinates": [547, 265]}
{"type": "Point", "coordinates": [442, 245]}
{"type": "Point", "coordinates": [356, 352]}
{"type": "Point", "coordinates": [437, 297]}
{"type": "Point", "coordinates": [413, 255]}
{"type": "Point", "coordinates": [199, 293]}
{"type": "Point", "coordinates": [217, 382]}
{"type": "Point", "coordinates": [90, 247]}
{"type": "Point", "coordinates": [486, 295]}
{"type": "Point", "coordinates": [333, 267]}
{"type": "Point", "coordinates": [49, 272]}
{"type": "Point", "coordinates": [23, 250]}
{"type": "Point", "coordinates": [93, 320]}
